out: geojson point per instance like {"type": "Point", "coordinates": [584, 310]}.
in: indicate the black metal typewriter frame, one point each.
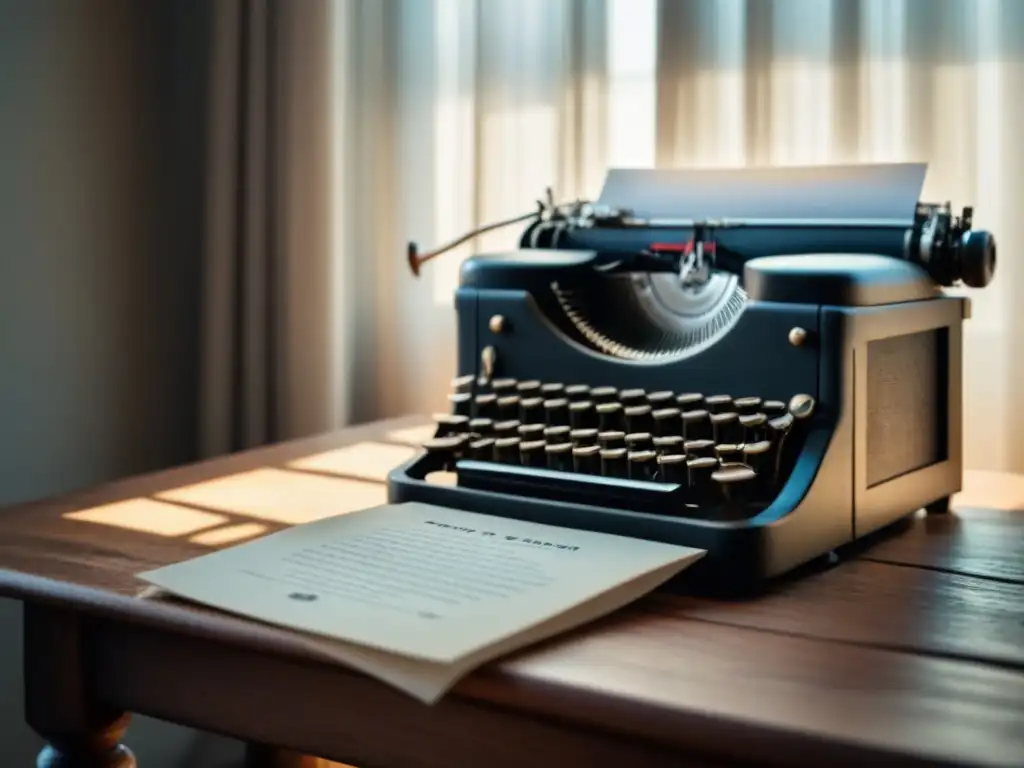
{"type": "Point", "coordinates": [826, 502]}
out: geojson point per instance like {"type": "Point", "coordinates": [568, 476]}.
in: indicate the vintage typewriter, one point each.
{"type": "Point", "coordinates": [759, 363]}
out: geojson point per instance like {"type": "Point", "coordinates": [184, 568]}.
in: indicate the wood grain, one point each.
{"type": "Point", "coordinates": [973, 541]}
{"type": "Point", "coordinates": [876, 604]}
{"type": "Point", "coordinates": [634, 690]}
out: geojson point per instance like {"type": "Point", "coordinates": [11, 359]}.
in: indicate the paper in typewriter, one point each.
{"type": "Point", "coordinates": [889, 192]}
{"type": "Point", "coordinates": [417, 595]}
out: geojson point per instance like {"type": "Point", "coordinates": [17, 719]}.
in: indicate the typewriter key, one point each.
{"type": "Point", "coordinates": [746, 405]}
{"type": "Point", "coordinates": [638, 418]}
{"type": "Point", "coordinates": [463, 384]}
{"type": "Point", "coordinates": [611, 439]}
{"type": "Point", "coordinates": [729, 454]}
{"type": "Point", "coordinates": [801, 406]}
{"type": "Point", "coordinates": [555, 435]}
{"type": "Point", "coordinates": [481, 427]}
{"type": "Point", "coordinates": [586, 459]}
{"type": "Point", "coordinates": [667, 421]}
{"type": "Point", "coordinates": [552, 389]}
{"type": "Point", "coordinates": [736, 482]}
{"type": "Point", "coordinates": [670, 444]}
{"type": "Point", "coordinates": [640, 441]}
{"type": "Point", "coordinates": [485, 406]}
{"type": "Point", "coordinates": [451, 424]}
{"type": "Point", "coordinates": [643, 465]}
{"type": "Point", "coordinates": [778, 431]}
{"type": "Point", "coordinates": [690, 401]}
{"type": "Point", "coordinates": [482, 449]}
{"type": "Point", "coordinates": [583, 437]}
{"type": "Point", "coordinates": [599, 395]}
{"type": "Point", "coordinates": [696, 425]}
{"type": "Point", "coordinates": [508, 407]}
{"type": "Point", "coordinates": [613, 463]}
{"type": "Point", "coordinates": [532, 454]}
{"type": "Point", "coordinates": [672, 468]}
{"type": "Point", "coordinates": [461, 403]}
{"type": "Point", "coordinates": [700, 449]}
{"type": "Point", "coordinates": [529, 388]}
{"type": "Point", "coordinates": [506, 450]}
{"type": "Point", "coordinates": [753, 427]}
{"type": "Point", "coordinates": [577, 392]}
{"type": "Point", "coordinates": [725, 428]}
{"type": "Point", "coordinates": [507, 428]}
{"type": "Point", "coordinates": [531, 410]}
{"type": "Point", "coordinates": [531, 431]}
{"type": "Point", "coordinates": [757, 456]}
{"type": "Point", "coordinates": [502, 387]}
{"type": "Point", "coordinates": [663, 399]}
{"type": "Point", "coordinates": [559, 457]}
{"type": "Point", "coordinates": [446, 450]}
{"type": "Point", "coordinates": [610, 417]}
{"type": "Point", "coordinates": [773, 408]}
{"type": "Point", "coordinates": [582, 415]}
{"type": "Point", "coordinates": [698, 472]}
{"type": "Point", "coordinates": [718, 403]}
{"type": "Point", "coordinates": [556, 412]}
{"type": "Point", "coordinates": [631, 397]}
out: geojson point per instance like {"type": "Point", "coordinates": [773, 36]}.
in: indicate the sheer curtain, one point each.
{"type": "Point", "coordinates": [450, 113]}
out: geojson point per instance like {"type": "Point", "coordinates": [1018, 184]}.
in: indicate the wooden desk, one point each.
{"type": "Point", "coordinates": [910, 654]}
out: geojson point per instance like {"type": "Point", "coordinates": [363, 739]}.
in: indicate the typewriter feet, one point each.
{"type": "Point", "coordinates": [939, 507]}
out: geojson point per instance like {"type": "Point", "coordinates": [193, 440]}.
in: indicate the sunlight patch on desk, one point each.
{"type": "Point", "coordinates": [367, 461]}
{"type": "Point", "coordinates": [414, 436]}
{"type": "Point", "coordinates": [280, 496]}
{"type": "Point", "coordinates": [229, 534]}
{"type": "Point", "coordinates": [149, 516]}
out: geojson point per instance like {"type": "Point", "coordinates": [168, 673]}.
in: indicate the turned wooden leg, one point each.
{"type": "Point", "coordinates": [59, 705]}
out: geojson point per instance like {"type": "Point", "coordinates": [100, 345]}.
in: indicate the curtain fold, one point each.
{"type": "Point", "coordinates": [265, 308]}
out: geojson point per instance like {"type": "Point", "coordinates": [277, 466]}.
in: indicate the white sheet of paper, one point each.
{"type": "Point", "coordinates": [419, 595]}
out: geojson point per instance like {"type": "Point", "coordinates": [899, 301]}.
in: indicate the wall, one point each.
{"type": "Point", "coordinates": [101, 110]}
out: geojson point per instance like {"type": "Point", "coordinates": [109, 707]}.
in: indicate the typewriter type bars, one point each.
{"type": "Point", "coordinates": [709, 456]}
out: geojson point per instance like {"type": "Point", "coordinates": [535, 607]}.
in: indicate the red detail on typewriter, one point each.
{"type": "Point", "coordinates": [684, 248]}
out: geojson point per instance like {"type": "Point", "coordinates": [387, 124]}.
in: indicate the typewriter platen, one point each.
{"type": "Point", "coordinates": [758, 363]}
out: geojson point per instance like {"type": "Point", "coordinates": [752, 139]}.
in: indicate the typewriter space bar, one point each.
{"type": "Point", "coordinates": [572, 487]}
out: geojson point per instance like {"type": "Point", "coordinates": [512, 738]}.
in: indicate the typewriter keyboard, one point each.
{"type": "Point", "coordinates": [662, 452]}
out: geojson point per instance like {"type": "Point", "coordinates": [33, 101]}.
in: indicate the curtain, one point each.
{"type": "Point", "coordinates": [452, 113]}
{"type": "Point", "coordinates": [269, 353]}
{"type": "Point", "coordinates": [399, 120]}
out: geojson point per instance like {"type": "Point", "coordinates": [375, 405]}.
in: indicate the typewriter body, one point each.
{"type": "Point", "coordinates": [762, 364]}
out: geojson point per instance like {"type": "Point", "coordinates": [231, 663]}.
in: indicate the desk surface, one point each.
{"type": "Point", "coordinates": [914, 649]}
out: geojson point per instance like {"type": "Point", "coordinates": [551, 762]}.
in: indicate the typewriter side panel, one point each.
{"type": "Point", "coordinates": [907, 408]}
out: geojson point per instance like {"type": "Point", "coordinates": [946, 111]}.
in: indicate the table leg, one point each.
{"type": "Point", "coordinates": [59, 702]}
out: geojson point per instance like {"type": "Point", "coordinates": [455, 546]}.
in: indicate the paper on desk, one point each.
{"type": "Point", "coordinates": [417, 595]}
